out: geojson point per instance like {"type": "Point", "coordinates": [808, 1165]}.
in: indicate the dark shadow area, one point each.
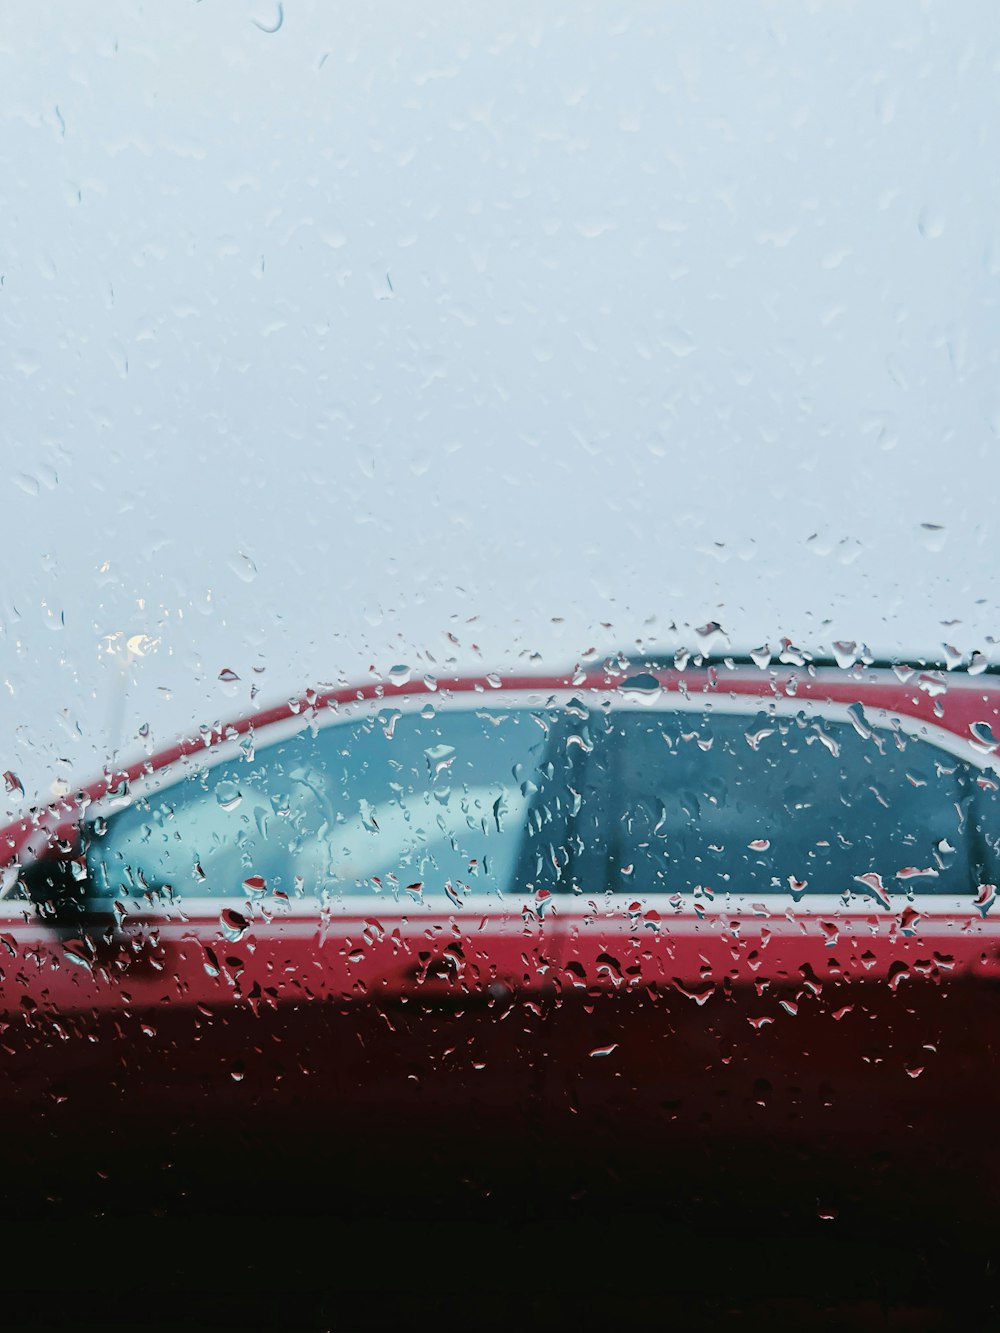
{"type": "Point", "coordinates": [321, 1240]}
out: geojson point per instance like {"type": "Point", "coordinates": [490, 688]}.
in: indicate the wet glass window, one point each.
{"type": "Point", "coordinates": [743, 804]}
{"type": "Point", "coordinates": [400, 805]}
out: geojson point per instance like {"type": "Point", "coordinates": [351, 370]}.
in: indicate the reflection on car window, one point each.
{"type": "Point", "coordinates": [734, 803]}
{"type": "Point", "coordinates": [402, 805]}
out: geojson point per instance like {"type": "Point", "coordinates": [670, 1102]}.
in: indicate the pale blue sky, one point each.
{"type": "Point", "coordinates": [541, 326]}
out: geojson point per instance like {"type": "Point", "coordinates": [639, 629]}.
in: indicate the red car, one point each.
{"type": "Point", "coordinates": [725, 927]}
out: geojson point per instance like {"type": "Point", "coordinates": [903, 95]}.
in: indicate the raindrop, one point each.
{"type": "Point", "coordinates": [641, 688]}
{"type": "Point", "coordinates": [909, 919]}
{"type": "Point", "coordinates": [228, 675]}
{"type": "Point", "coordinates": [439, 758]}
{"type": "Point", "coordinates": [368, 818]}
{"type": "Point", "coordinates": [857, 715]}
{"type": "Point", "coordinates": [898, 971]}
{"type": "Point", "coordinates": [228, 795]}
{"type": "Point", "coordinates": [275, 25]}
{"type": "Point", "coordinates": [982, 737]}
{"type": "Point", "coordinates": [389, 720]}
{"type": "Point", "coordinates": [933, 536]}
{"type": "Point", "coordinates": [243, 567]}
{"type": "Point", "coordinates": [914, 872]}
{"type": "Point", "coordinates": [985, 898]}
{"type": "Point", "coordinates": [234, 924]}
{"type": "Point", "coordinates": [791, 655]}
{"type": "Point", "coordinates": [754, 738]}
{"type": "Point", "coordinates": [13, 785]}
{"type": "Point", "coordinates": [76, 951]}
{"type": "Point", "coordinates": [872, 881]}
{"type": "Point", "coordinates": [700, 993]}
{"type": "Point", "coordinates": [845, 652]}
{"type": "Point", "coordinates": [931, 685]}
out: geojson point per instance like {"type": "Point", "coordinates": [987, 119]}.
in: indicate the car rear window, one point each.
{"type": "Point", "coordinates": [723, 802]}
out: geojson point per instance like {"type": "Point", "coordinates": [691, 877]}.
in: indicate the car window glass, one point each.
{"type": "Point", "coordinates": [743, 804]}
{"type": "Point", "coordinates": [402, 805]}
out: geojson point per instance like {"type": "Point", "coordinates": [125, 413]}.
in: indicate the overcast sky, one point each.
{"type": "Point", "coordinates": [536, 327]}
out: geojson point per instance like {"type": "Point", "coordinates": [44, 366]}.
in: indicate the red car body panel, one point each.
{"type": "Point", "coordinates": [638, 1035]}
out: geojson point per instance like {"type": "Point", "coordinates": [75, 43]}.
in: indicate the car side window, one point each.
{"type": "Point", "coordinates": [798, 804]}
{"type": "Point", "coordinates": [401, 804]}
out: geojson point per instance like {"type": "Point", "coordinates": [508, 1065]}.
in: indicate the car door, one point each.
{"type": "Point", "coordinates": [777, 963]}
{"type": "Point", "coordinates": [333, 932]}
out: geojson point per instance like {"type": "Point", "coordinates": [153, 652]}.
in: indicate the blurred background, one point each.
{"type": "Point", "coordinates": [336, 338]}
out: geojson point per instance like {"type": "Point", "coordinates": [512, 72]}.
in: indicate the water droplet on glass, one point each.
{"type": "Point", "coordinates": [985, 898]}
{"type": "Point", "coordinates": [933, 536]}
{"type": "Point", "coordinates": [439, 758]}
{"type": "Point", "coordinates": [641, 688]}
{"type": "Point", "coordinates": [982, 737]}
{"type": "Point", "coordinates": [243, 567]}
{"type": "Point", "coordinates": [872, 881]}
{"type": "Point", "coordinates": [228, 795]}
{"type": "Point", "coordinates": [930, 224]}
{"type": "Point", "coordinates": [234, 924]}
{"type": "Point", "coordinates": [845, 653]}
